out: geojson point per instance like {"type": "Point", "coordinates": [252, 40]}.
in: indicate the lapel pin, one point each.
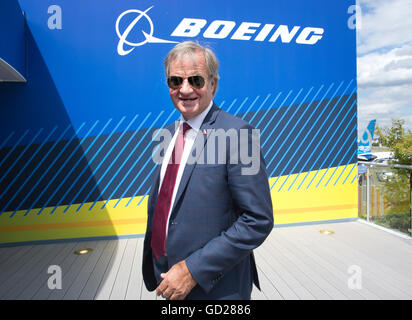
{"type": "Point", "coordinates": [204, 132]}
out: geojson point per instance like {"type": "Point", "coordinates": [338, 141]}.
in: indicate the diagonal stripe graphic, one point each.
{"type": "Point", "coordinates": [260, 107]}
{"type": "Point", "coordinates": [284, 114]}
{"type": "Point", "coordinates": [47, 170]}
{"type": "Point", "coordinates": [277, 110]}
{"type": "Point", "coordinates": [330, 140]}
{"type": "Point", "coordinates": [104, 159]}
{"type": "Point", "coordinates": [270, 108]}
{"type": "Point", "coordinates": [251, 105]}
{"type": "Point", "coordinates": [319, 130]}
{"type": "Point", "coordinates": [137, 161]}
{"type": "Point", "coordinates": [124, 162]}
{"type": "Point", "coordinates": [83, 157]}
{"type": "Point", "coordinates": [28, 162]}
{"type": "Point", "coordinates": [337, 153]}
{"type": "Point", "coordinates": [302, 140]}
{"type": "Point", "coordinates": [353, 155]}
{"type": "Point", "coordinates": [287, 125]}
{"type": "Point", "coordinates": [296, 136]}
{"type": "Point", "coordinates": [35, 169]}
{"type": "Point", "coordinates": [91, 160]}
{"type": "Point", "coordinates": [241, 106]}
{"type": "Point", "coordinates": [14, 147]}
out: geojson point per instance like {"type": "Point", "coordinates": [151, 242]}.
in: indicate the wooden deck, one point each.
{"type": "Point", "coordinates": [294, 263]}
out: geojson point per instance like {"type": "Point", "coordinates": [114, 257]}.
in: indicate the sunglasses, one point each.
{"type": "Point", "coordinates": [175, 82]}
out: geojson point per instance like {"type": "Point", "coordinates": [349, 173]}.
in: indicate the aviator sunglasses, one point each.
{"type": "Point", "coordinates": [175, 82]}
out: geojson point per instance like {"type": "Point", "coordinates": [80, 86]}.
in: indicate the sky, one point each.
{"type": "Point", "coordinates": [384, 62]}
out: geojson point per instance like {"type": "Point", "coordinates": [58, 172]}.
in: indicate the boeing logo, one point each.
{"type": "Point", "coordinates": [148, 37]}
{"type": "Point", "coordinates": [217, 29]}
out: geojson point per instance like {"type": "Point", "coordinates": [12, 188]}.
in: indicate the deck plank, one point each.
{"type": "Point", "coordinates": [293, 263]}
{"type": "Point", "coordinates": [32, 287]}
{"type": "Point", "coordinates": [122, 277]}
{"type": "Point", "coordinates": [91, 287]}
{"type": "Point", "coordinates": [135, 278]}
{"type": "Point", "coordinates": [76, 287]}
{"type": "Point", "coordinates": [106, 286]}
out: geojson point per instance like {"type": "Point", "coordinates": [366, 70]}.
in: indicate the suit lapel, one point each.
{"type": "Point", "coordinates": [206, 125]}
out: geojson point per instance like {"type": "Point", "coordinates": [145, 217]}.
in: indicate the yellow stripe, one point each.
{"type": "Point", "coordinates": [289, 206]}
{"type": "Point", "coordinates": [312, 209]}
{"type": "Point", "coordinates": [71, 225]}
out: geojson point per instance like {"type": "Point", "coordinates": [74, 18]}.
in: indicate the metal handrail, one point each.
{"type": "Point", "coordinates": [402, 166]}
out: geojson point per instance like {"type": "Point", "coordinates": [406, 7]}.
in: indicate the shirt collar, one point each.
{"type": "Point", "coordinates": [197, 121]}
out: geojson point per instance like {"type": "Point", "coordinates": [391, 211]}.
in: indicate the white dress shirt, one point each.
{"type": "Point", "coordinates": [190, 136]}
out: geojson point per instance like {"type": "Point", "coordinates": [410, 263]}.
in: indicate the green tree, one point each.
{"type": "Point", "coordinates": [403, 150]}
{"type": "Point", "coordinates": [389, 137]}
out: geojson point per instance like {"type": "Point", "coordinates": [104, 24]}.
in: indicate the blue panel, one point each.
{"type": "Point", "coordinates": [12, 35]}
{"type": "Point", "coordinates": [95, 82]}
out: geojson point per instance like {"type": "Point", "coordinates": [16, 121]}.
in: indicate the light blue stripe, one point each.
{"type": "Point", "coordinates": [111, 162]}
{"type": "Point", "coordinates": [6, 140]}
{"type": "Point", "coordinates": [124, 162]}
{"type": "Point", "coordinates": [147, 192]}
{"type": "Point", "coordinates": [336, 154]}
{"type": "Point", "coordinates": [329, 141]}
{"type": "Point", "coordinates": [301, 142]}
{"type": "Point", "coordinates": [260, 107]}
{"type": "Point", "coordinates": [296, 136]}
{"type": "Point", "coordinates": [74, 167]}
{"type": "Point", "coordinates": [273, 116]}
{"type": "Point", "coordinates": [340, 162]}
{"type": "Point", "coordinates": [130, 154]}
{"type": "Point", "coordinates": [136, 162]}
{"type": "Point", "coordinates": [64, 164]}
{"type": "Point", "coordinates": [291, 130]}
{"type": "Point", "coordinates": [91, 160]}
{"type": "Point", "coordinates": [47, 170]}
{"type": "Point", "coordinates": [141, 155]}
{"type": "Point", "coordinates": [274, 129]}
{"type": "Point", "coordinates": [314, 138]}
{"type": "Point", "coordinates": [349, 173]}
{"type": "Point", "coordinates": [27, 163]}
{"type": "Point", "coordinates": [241, 106]}
{"type": "Point", "coordinates": [252, 104]}
{"type": "Point", "coordinates": [344, 169]}
{"type": "Point", "coordinates": [230, 107]}
{"type": "Point", "coordinates": [270, 108]}
{"type": "Point", "coordinates": [15, 161]}
{"type": "Point", "coordinates": [148, 160]}
{"type": "Point", "coordinates": [325, 122]}
{"type": "Point", "coordinates": [102, 161]}
{"type": "Point", "coordinates": [14, 147]}
{"type": "Point", "coordinates": [35, 169]}
{"type": "Point", "coordinates": [354, 178]}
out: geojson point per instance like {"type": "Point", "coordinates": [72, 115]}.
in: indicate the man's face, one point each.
{"type": "Point", "coordinates": [190, 101]}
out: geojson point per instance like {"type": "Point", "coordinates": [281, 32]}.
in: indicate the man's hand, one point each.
{"type": "Point", "coordinates": [177, 282]}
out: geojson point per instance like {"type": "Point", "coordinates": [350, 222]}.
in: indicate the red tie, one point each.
{"type": "Point", "coordinates": [164, 198]}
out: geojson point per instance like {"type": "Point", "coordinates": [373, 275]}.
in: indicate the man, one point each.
{"type": "Point", "coordinates": [204, 219]}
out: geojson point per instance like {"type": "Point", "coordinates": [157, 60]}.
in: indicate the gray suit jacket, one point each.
{"type": "Point", "coordinates": [219, 216]}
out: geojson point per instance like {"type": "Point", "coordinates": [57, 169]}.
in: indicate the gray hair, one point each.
{"type": "Point", "coordinates": [190, 47]}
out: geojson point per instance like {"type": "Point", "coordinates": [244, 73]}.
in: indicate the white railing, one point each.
{"type": "Point", "coordinates": [385, 195]}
